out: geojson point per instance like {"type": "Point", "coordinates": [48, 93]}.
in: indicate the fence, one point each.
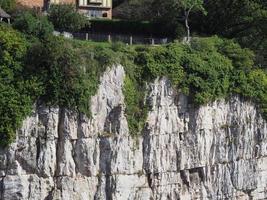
{"type": "Point", "coordinates": [128, 39]}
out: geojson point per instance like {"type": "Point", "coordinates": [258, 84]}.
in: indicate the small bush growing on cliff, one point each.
{"type": "Point", "coordinates": [136, 110]}
{"type": "Point", "coordinates": [254, 86]}
{"type": "Point", "coordinates": [17, 92]}
{"type": "Point", "coordinates": [207, 70]}
{"type": "Point", "coordinates": [163, 61]}
{"type": "Point", "coordinates": [69, 74]}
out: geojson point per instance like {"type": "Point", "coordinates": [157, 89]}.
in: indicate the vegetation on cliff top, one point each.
{"type": "Point", "coordinates": [57, 71]}
{"type": "Point", "coordinates": [243, 20]}
{"type": "Point", "coordinates": [17, 92]}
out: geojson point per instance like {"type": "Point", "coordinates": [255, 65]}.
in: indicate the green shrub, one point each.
{"type": "Point", "coordinates": [254, 86]}
{"type": "Point", "coordinates": [242, 58]}
{"type": "Point", "coordinates": [136, 110]}
{"type": "Point", "coordinates": [69, 72]}
{"type": "Point", "coordinates": [207, 71]}
{"type": "Point", "coordinates": [117, 46]}
{"type": "Point", "coordinates": [33, 24]}
{"type": "Point", "coordinates": [163, 61]}
{"type": "Point", "coordinates": [8, 5]}
{"type": "Point", "coordinates": [17, 93]}
{"type": "Point", "coordinates": [56, 65]}
{"type": "Point", "coordinates": [66, 18]}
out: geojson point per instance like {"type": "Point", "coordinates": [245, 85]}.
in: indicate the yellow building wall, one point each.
{"type": "Point", "coordinates": [31, 3]}
{"type": "Point", "coordinates": [104, 3]}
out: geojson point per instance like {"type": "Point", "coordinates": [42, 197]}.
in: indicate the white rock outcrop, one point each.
{"type": "Point", "coordinates": [217, 151]}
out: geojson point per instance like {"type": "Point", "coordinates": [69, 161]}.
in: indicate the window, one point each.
{"type": "Point", "coordinates": [95, 13]}
{"type": "Point", "coordinates": [94, 2]}
{"type": "Point", "coordinates": [105, 15]}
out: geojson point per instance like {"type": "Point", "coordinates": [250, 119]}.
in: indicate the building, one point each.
{"type": "Point", "coordinates": [38, 4]}
{"type": "Point", "coordinates": [96, 8]}
{"type": "Point", "coordinates": [91, 8]}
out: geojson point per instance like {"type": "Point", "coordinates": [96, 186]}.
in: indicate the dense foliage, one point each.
{"type": "Point", "coordinates": [136, 110]}
{"type": "Point", "coordinates": [243, 20]}
{"type": "Point", "coordinates": [8, 5]}
{"type": "Point", "coordinates": [234, 18]}
{"type": "Point", "coordinates": [58, 71]}
{"type": "Point", "coordinates": [68, 71]}
{"type": "Point", "coordinates": [17, 93]}
{"type": "Point", "coordinates": [66, 18]}
{"type": "Point", "coordinates": [33, 24]}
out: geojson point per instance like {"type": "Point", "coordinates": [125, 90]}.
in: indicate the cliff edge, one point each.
{"type": "Point", "coordinates": [217, 151]}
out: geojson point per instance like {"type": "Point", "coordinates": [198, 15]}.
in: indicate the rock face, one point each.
{"type": "Point", "coordinates": [218, 151]}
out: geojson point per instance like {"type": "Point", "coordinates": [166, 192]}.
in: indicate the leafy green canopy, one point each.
{"type": "Point", "coordinates": [8, 5]}
{"type": "Point", "coordinates": [234, 18]}
{"type": "Point", "coordinates": [191, 5]}
{"type": "Point", "coordinates": [245, 20]}
{"type": "Point", "coordinates": [33, 25]}
{"type": "Point", "coordinates": [69, 74]}
{"type": "Point", "coordinates": [66, 18]}
{"type": "Point", "coordinates": [17, 93]}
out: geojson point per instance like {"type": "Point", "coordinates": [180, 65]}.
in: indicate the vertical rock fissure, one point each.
{"type": "Point", "coordinates": [2, 189]}
{"type": "Point", "coordinates": [61, 115]}
{"type": "Point", "coordinates": [105, 164]}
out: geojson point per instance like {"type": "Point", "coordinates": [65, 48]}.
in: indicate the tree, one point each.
{"type": "Point", "coordinates": [66, 18]}
{"type": "Point", "coordinates": [230, 18]}
{"type": "Point", "coordinates": [244, 20]}
{"type": "Point", "coordinates": [170, 14]}
{"type": "Point", "coordinates": [12, 50]}
{"type": "Point", "coordinates": [188, 6]}
{"type": "Point", "coordinates": [33, 24]}
{"type": "Point", "coordinates": [128, 9]}
{"type": "Point", "coordinates": [8, 5]}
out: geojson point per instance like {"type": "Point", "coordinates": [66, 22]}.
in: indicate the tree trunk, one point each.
{"type": "Point", "coordinates": [187, 26]}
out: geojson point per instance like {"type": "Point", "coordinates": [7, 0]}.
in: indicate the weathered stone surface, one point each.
{"type": "Point", "coordinates": [217, 151]}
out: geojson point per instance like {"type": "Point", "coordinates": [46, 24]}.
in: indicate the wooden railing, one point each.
{"type": "Point", "coordinates": [128, 39]}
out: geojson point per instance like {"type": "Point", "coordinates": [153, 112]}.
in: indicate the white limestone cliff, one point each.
{"type": "Point", "coordinates": [217, 151]}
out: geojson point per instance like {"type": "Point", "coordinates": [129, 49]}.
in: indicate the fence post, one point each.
{"type": "Point", "coordinates": [152, 41]}
{"type": "Point", "coordinates": [109, 38]}
{"type": "Point", "coordinates": [86, 36]}
{"type": "Point", "coordinates": [131, 40]}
